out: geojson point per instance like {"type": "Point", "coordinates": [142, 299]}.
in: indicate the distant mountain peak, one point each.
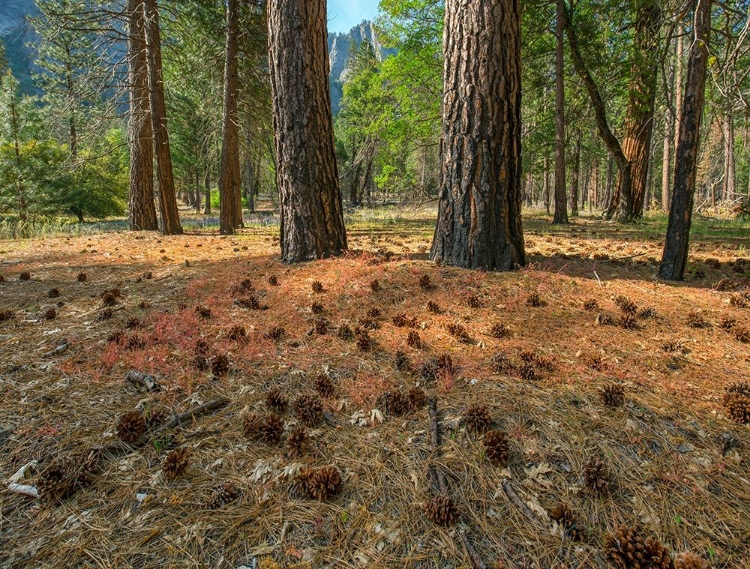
{"type": "Point", "coordinates": [339, 49]}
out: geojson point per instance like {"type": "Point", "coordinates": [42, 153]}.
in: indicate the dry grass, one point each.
{"type": "Point", "coordinates": [678, 466]}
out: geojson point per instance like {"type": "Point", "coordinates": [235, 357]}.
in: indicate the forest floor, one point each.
{"type": "Point", "coordinates": [676, 465]}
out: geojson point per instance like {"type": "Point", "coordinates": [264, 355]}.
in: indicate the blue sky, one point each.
{"type": "Point", "coordinates": [343, 15]}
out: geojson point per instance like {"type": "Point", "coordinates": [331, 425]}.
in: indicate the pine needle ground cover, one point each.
{"type": "Point", "coordinates": [632, 427]}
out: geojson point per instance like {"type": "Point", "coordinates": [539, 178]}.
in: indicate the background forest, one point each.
{"type": "Point", "coordinates": [64, 105]}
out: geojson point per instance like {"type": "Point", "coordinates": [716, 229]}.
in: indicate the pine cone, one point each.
{"type": "Point", "coordinates": [321, 326]}
{"type": "Point", "coordinates": [590, 304]}
{"type": "Point", "coordinates": [566, 518]}
{"type": "Point", "coordinates": [82, 277]}
{"type": "Point", "coordinates": [433, 307]}
{"type": "Point", "coordinates": [413, 340]}
{"type": "Point", "coordinates": [625, 549]}
{"type": "Point", "coordinates": [658, 555]}
{"type": "Point", "coordinates": [221, 495]}
{"type": "Point", "coordinates": [308, 408]}
{"type": "Point", "coordinates": [316, 307]}
{"type": "Point", "coordinates": [458, 331]}
{"type": "Point", "coordinates": [236, 333]}
{"type": "Point", "coordinates": [276, 333]}
{"type": "Point", "coordinates": [499, 330]}
{"type": "Point", "coordinates": [535, 300]}
{"type": "Point", "coordinates": [441, 510]}
{"type": "Point", "coordinates": [374, 285]}
{"type": "Point", "coordinates": [473, 301]}
{"type": "Point", "coordinates": [364, 342]}
{"type": "Point", "coordinates": [276, 401]}
{"type": "Point", "coordinates": [273, 280]}
{"type": "Point", "coordinates": [595, 475]}
{"type": "Point", "coordinates": [689, 560]}
{"type": "Point", "coordinates": [267, 429]}
{"type": "Point", "coordinates": [428, 371]}
{"type": "Point", "coordinates": [738, 407]}
{"type": "Point", "coordinates": [741, 334]}
{"type": "Point", "coordinates": [297, 441]}
{"type": "Point", "coordinates": [220, 365]}
{"type": "Point", "coordinates": [445, 364]}
{"type": "Point", "coordinates": [201, 363]}
{"type": "Point", "coordinates": [417, 398]}
{"type": "Point", "coordinates": [346, 333]}
{"type": "Point", "coordinates": [612, 395]}
{"type": "Point", "coordinates": [394, 402]}
{"type": "Point", "coordinates": [324, 386]}
{"type": "Point", "coordinates": [527, 371]}
{"type": "Point", "coordinates": [603, 319]}
{"type": "Point", "coordinates": [477, 418]}
{"type": "Point", "coordinates": [131, 426]}
{"type": "Point", "coordinates": [626, 305]}
{"type": "Point", "coordinates": [424, 282]}
{"type": "Point", "coordinates": [320, 483]}
{"type": "Point", "coordinates": [695, 320]}
{"type": "Point", "coordinates": [401, 361]}
{"type": "Point", "coordinates": [496, 447]}
{"type": "Point", "coordinates": [58, 479]}
{"type": "Point", "coordinates": [317, 287]}
{"type": "Point", "coordinates": [176, 463]}
{"type": "Point", "coordinates": [628, 322]}
{"type": "Point", "coordinates": [500, 363]}
{"type": "Point", "coordinates": [203, 311]}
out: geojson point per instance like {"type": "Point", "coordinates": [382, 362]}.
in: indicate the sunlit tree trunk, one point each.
{"type": "Point", "coordinates": [312, 220]}
{"type": "Point", "coordinates": [674, 257]}
{"type": "Point", "coordinates": [230, 193]}
{"type": "Point", "coordinates": [167, 198]}
{"type": "Point", "coordinates": [479, 220]}
{"type": "Point", "coordinates": [639, 117]}
{"type": "Point", "coordinates": [561, 208]}
{"type": "Point", "coordinates": [575, 178]}
{"type": "Point", "coordinates": [728, 186]}
{"type": "Point", "coordinates": [140, 133]}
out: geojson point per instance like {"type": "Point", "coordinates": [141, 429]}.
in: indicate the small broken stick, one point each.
{"type": "Point", "coordinates": [476, 560]}
{"type": "Point", "coordinates": [142, 381]}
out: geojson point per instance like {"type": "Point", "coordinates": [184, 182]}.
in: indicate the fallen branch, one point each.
{"type": "Point", "coordinates": [476, 561]}
{"type": "Point", "coordinates": [513, 497]}
{"type": "Point", "coordinates": [120, 448]}
{"type": "Point", "coordinates": [24, 490]}
{"type": "Point", "coordinates": [142, 381]}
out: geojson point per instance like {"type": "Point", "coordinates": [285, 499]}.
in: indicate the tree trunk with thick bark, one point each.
{"type": "Point", "coordinates": [312, 220]}
{"type": "Point", "coordinates": [674, 257]}
{"type": "Point", "coordinates": [207, 190]}
{"type": "Point", "coordinates": [575, 178]}
{"type": "Point", "coordinates": [479, 215]}
{"type": "Point", "coordinates": [728, 187]}
{"type": "Point", "coordinates": [639, 117]}
{"type": "Point", "coordinates": [170, 217]}
{"type": "Point", "coordinates": [561, 207]}
{"type": "Point", "coordinates": [230, 181]}
{"type": "Point", "coordinates": [142, 215]}
{"type": "Point", "coordinates": [545, 184]}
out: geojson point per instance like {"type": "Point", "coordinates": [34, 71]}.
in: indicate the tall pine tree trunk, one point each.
{"type": "Point", "coordinates": [674, 257]}
{"type": "Point", "coordinates": [561, 208]}
{"type": "Point", "coordinates": [140, 132]}
{"type": "Point", "coordinates": [479, 215]}
{"type": "Point", "coordinates": [312, 220]}
{"type": "Point", "coordinates": [639, 118]}
{"type": "Point", "coordinates": [170, 217]}
{"type": "Point", "coordinates": [230, 194]}
{"type": "Point", "coordinates": [728, 187]}
{"type": "Point", "coordinates": [575, 178]}
{"type": "Point", "coordinates": [207, 190]}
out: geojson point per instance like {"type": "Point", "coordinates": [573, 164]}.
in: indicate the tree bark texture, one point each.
{"type": "Point", "coordinates": [312, 220]}
{"type": "Point", "coordinates": [167, 199]}
{"type": "Point", "coordinates": [728, 187]}
{"type": "Point", "coordinates": [479, 214]}
{"type": "Point", "coordinates": [639, 116]}
{"type": "Point", "coordinates": [674, 257]}
{"type": "Point", "coordinates": [140, 133]}
{"type": "Point", "coordinates": [230, 181]}
{"type": "Point", "coordinates": [561, 208]}
{"type": "Point", "coordinates": [575, 178]}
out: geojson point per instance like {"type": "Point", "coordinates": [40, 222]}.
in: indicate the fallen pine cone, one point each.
{"type": "Point", "coordinates": [441, 510]}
